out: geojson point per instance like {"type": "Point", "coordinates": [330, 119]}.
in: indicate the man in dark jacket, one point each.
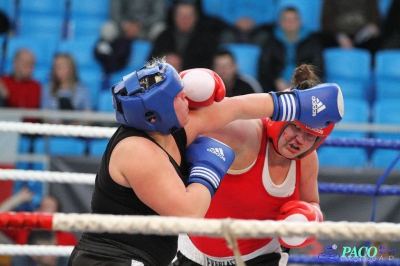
{"type": "Point", "coordinates": [187, 37]}
{"type": "Point", "coordinates": [288, 46]}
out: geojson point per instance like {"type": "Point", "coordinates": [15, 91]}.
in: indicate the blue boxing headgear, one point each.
{"type": "Point", "coordinates": [144, 99]}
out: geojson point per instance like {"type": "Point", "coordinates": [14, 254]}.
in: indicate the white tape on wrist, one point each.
{"type": "Point", "coordinates": [207, 174]}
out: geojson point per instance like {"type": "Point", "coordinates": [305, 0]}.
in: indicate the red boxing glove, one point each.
{"type": "Point", "coordinates": [298, 211]}
{"type": "Point", "coordinates": [203, 87]}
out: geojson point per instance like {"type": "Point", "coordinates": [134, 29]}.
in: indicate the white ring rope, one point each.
{"type": "Point", "coordinates": [47, 176]}
{"type": "Point", "coordinates": [38, 250]}
{"type": "Point", "coordinates": [218, 227]}
{"type": "Point", "coordinates": [167, 225]}
{"type": "Point", "coordinates": [210, 227]}
{"type": "Point", "coordinates": [57, 130]}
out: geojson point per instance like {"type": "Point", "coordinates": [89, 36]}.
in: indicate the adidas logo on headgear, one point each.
{"type": "Point", "coordinates": [317, 106]}
{"type": "Point", "coordinates": [217, 151]}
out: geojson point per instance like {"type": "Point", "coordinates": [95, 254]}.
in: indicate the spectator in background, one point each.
{"type": "Point", "coordinates": [391, 27]}
{"type": "Point", "coordinates": [113, 48]}
{"type": "Point", "coordinates": [188, 37]}
{"type": "Point", "coordinates": [19, 89]}
{"type": "Point", "coordinates": [225, 66]}
{"type": "Point", "coordinates": [22, 196]}
{"type": "Point", "coordinates": [147, 19]}
{"type": "Point", "coordinates": [64, 91]}
{"type": "Point", "coordinates": [288, 46]}
{"type": "Point", "coordinates": [40, 237]}
{"type": "Point", "coordinates": [350, 24]}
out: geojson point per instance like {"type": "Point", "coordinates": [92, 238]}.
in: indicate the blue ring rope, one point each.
{"type": "Point", "coordinates": [305, 259]}
{"type": "Point", "coordinates": [360, 189]}
{"type": "Point", "coordinates": [363, 143]}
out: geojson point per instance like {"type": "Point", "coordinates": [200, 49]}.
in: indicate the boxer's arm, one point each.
{"type": "Point", "coordinates": [309, 179]}
{"type": "Point", "coordinates": [301, 105]}
{"type": "Point", "coordinates": [220, 114]}
{"type": "Point", "coordinates": [152, 177]}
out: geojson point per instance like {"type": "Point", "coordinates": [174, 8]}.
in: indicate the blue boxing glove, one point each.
{"type": "Point", "coordinates": [208, 160]}
{"type": "Point", "coordinates": [316, 107]}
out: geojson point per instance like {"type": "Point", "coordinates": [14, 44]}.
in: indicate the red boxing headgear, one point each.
{"type": "Point", "coordinates": [275, 129]}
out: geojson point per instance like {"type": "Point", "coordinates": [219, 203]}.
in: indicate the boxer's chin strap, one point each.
{"type": "Point", "coordinates": [232, 242]}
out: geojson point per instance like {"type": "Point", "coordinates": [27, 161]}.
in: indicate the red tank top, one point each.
{"type": "Point", "coordinates": [243, 196]}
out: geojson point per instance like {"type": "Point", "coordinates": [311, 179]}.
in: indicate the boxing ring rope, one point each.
{"type": "Point", "coordinates": [57, 130]}
{"type": "Point", "coordinates": [37, 250]}
{"type": "Point", "coordinates": [173, 225]}
{"type": "Point", "coordinates": [106, 132]}
{"type": "Point", "coordinates": [198, 226]}
{"type": "Point", "coordinates": [88, 179]}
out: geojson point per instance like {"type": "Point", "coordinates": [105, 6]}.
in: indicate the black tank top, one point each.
{"type": "Point", "coordinates": [112, 198]}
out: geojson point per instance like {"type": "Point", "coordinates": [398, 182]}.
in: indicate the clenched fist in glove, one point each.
{"type": "Point", "coordinates": [208, 161]}
{"type": "Point", "coordinates": [203, 87]}
{"type": "Point", "coordinates": [317, 107]}
{"type": "Point", "coordinates": [298, 211]}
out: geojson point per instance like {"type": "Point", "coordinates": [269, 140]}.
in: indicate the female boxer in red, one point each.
{"type": "Point", "coordinates": [273, 176]}
{"type": "Point", "coordinates": [154, 164]}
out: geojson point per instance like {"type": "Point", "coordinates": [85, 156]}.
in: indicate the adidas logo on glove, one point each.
{"type": "Point", "coordinates": [317, 106]}
{"type": "Point", "coordinates": [217, 151]}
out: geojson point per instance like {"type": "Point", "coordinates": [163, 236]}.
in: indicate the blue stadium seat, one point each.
{"type": "Point", "coordinates": [385, 112]}
{"type": "Point", "coordinates": [24, 144]}
{"type": "Point", "coordinates": [246, 56]}
{"type": "Point", "coordinates": [349, 66]}
{"type": "Point", "coordinates": [382, 158]}
{"type": "Point", "coordinates": [105, 102]}
{"type": "Point", "coordinates": [342, 157]}
{"type": "Point", "coordinates": [98, 9]}
{"type": "Point", "coordinates": [210, 7]}
{"type": "Point", "coordinates": [309, 10]}
{"type": "Point", "coordinates": [357, 111]}
{"type": "Point", "coordinates": [8, 7]}
{"type": "Point", "coordinates": [42, 73]}
{"type": "Point", "coordinates": [387, 63]}
{"type": "Point", "coordinates": [387, 88]}
{"type": "Point", "coordinates": [97, 147]}
{"type": "Point", "coordinates": [85, 27]}
{"type": "Point", "coordinates": [92, 78]}
{"type": "Point", "coordinates": [387, 74]}
{"type": "Point", "coordinates": [63, 146]}
{"type": "Point", "coordinates": [384, 6]}
{"type": "Point", "coordinates": [45, 26]}
{"type": "Point", "coordinates": [42, 7]}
